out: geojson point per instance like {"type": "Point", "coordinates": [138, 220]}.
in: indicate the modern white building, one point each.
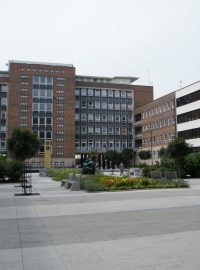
{"type": "Point", "coordinates": [188, 114]}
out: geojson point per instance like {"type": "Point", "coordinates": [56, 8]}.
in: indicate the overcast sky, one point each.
{"type": "Point", "coordinates": [107, 38]}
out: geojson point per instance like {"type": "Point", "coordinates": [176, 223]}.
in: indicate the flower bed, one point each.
{"type": "Point", "coordinates": [111, 183]}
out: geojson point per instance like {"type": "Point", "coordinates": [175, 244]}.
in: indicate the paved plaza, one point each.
{"type": "Point", "coordinates": [61, 229]}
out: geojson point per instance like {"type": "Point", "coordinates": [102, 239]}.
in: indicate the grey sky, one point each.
{"type": "Point", "coordinates": [107, 37]}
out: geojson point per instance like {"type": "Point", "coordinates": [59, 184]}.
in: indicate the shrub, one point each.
{"type": "Point", "coordinates": [59, 175]}
{"type": "Point", "coordinates": [13, 170]}
{"type": "Point", "coordinates": [192, 165]}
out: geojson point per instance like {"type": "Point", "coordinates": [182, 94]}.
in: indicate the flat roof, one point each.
{"type": "Point", "coordinates": [39, 63]}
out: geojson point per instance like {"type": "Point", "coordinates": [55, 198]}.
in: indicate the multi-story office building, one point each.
{"type": "Point", "coordinates": [77, 113]}
{"type": "Point", "coordinates": [104, 112]}
{"type": "Point", "coordinates": [188, 114]}
{"type": "Point", "coordinates": [3, 110]}
{"type": "Point", "coordinates": [41, 99]}
{"type": "Point", "coordinates": [155, 125]}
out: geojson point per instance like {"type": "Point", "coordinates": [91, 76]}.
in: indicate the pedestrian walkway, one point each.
{"type": "Point", "coordinates": [61, 229]}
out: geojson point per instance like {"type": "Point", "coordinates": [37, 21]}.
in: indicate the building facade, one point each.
{"type": "Point", "coordinates": [155, 125]}
{"type": "Point", "coordinates": [188, 114]}
{"type": "Point", "coordinates": [3, 110]}
{"type": "Point", "coordinates": [104, 113]}
{"type": "Point", "coordinates": [77, 113]}
{"type": "Point", "coordinates": [41, 99]}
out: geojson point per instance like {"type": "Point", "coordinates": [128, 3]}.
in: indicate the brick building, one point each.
{"type": "Point", "coordinates": [155, 125]}
{"type": "Point", "coordinates": [77, 113]}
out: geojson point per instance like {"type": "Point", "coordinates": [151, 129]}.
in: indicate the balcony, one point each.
{"type": "Point", "coordinates": [138, 123]}
{"type": "Point", "coordinates": [138, 135]}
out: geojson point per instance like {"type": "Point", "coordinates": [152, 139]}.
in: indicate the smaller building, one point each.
{"type": "Point", "coordinates": [188, 114]}
{"type": "Point", "coordinates": [155, 125]}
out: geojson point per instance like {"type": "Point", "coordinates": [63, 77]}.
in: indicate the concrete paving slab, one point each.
{"type": "Point", "coordinates": [60, 229]}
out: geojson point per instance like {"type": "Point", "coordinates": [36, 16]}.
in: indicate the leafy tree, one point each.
{"type": "Point", "coordinates": [23, 144]}
{"type": "Point", "coordinates": [192, 164]}
{"type": "Point", "coordinates": [162, 152]}
{"type": "Point", "coordinates": [145, 154]}
{"type": "Point", "coordinates": [178, 149]}
{"type": "Point", "coordinates": [112, 156]}
{"type": "Point", "coordinates": [93, 154]}
{"type": "Point", "coordinates": [127, 155]}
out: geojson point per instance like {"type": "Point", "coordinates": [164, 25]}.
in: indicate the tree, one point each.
{"type": "Point", "coordinates": [113, 157]}
{"type": "Point", "coordinates": [145, 154]}
{"type": "Point", "coordinates": [127, 155]}
{"type": "Point", "coordinates": [23, 144]}
{"type": "Point", "coordinates": [178, 149]}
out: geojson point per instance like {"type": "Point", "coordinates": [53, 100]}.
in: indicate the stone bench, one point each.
{"type": "Point", "coordinates": [170, 175]}
{"type": "Point", "coordinates": [156, 174]}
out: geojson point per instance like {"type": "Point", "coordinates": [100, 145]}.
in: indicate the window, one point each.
{"type": "Point", "coordinates": [104, 105]}
{"type": "Point", "coordinates": [97, 104]}
{"type": "Point", "coordinates": [123, 118]}
{"type": "Point", "coordinates": [104, 93]}
{"type": "Point", "coordinates": [90, 92]}
{"type": "Point", "coordinates": [83, 116]}
{"type": "Point", "coordinates": [104, 146]}
{"type": "Point", "coordinates": [90, 130]}
{"type": "Point", "coordinates": [90, 117]}
{"type": "Point", "coordinates": [97, 130]}
{"type": "Point", "coordinates": [83, 130]}
{"type": "Point", "coordinates": [117, 145]}
{"type": "Point", "coordinates": [90, 144]}
{"type": "Point", "coordinates": [130, 118]}
{"type": "Point", "coordinates": [110, 93]}
{"type": "Point", "coordinates": [42, 119]}
{"type": "Point", "coordinates": [123, 94]}
{"type": "Point", "coordinates": [117, 130]}
{"type": "Point", "coordinates": [111, 144]}
{"type": "Point", "coordinates": [110, 106]}
{"type": "Point", "coordinates": [123, 106]}
{"type": "Point", "coordinates": [129, 94]}
{"type": "Point", "coordinates": [117, 94]}
{"type": "Point", "coordinates": [110, 129]}
{"type": "Point", "coordinates": [110, 117]}
{"type": "Point", "coordinates": [97, 93]}
{"type": "Point", "coordinates": [104, 117]}
{"type": "Point", "coordinates": [4, 101]}
{"type": "Point", "coordinates": [104, 130]}
{"type": "Point", "coordinates": [117, 118]}
{"type": "Point", "coordinates": [117, 106]}
{"type": "Point", "coordinates": [76, 116]}
{"type": "Point", "coordinates": [97, 117]}
{"type": "Point", "coordinates": [90, 105]}
{"type": "Point", "coordinates": [83, 104]}
{"type": "Point", "coordinates": [83, 92]}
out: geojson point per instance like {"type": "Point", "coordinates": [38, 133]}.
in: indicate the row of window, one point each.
{"type": "Point", "coordinates": [103, 117]}
{"type": "Point", "coordinates": [102, 105]}
{"type": "Point", "coordinates": [104, 130]}
{"type": "Point", "coordinates": [103, 93]}
{"type": "Point", "coordinates": [45, 107]}
{"type": "Point", "coordinates": [190, 134]}
{"type": "Point", "coordinates": [165, 107]}
{"type": "Point", "coordinates": [42, 93]}
{"type": "Point", "coordinates": [189, 116]}
{"type": "Point", "coordinates": [187, 99]}
{"type": "Point", "coordinates": [42, 70]}
{"type": "Point", "coordinates": [102, 145]}
{"type": "Point", "coordinates": [159, 124]}
{"type": "Point", "coordinates": [160, 139]}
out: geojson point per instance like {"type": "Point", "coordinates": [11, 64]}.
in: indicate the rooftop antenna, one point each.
{"type": "Point", "coordinates": [180, 83]}
{"type": "Point", "coordinates": [148, 76]}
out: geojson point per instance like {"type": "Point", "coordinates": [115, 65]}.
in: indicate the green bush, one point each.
{"type": "Point", "coordinates": [10, 170]}
{"type": "Point", "coordinates": [59, 175]}
{"type": "Point", "coordinates": [192, 165]}
{"type": "Point", "coordinates": [13, 170]}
